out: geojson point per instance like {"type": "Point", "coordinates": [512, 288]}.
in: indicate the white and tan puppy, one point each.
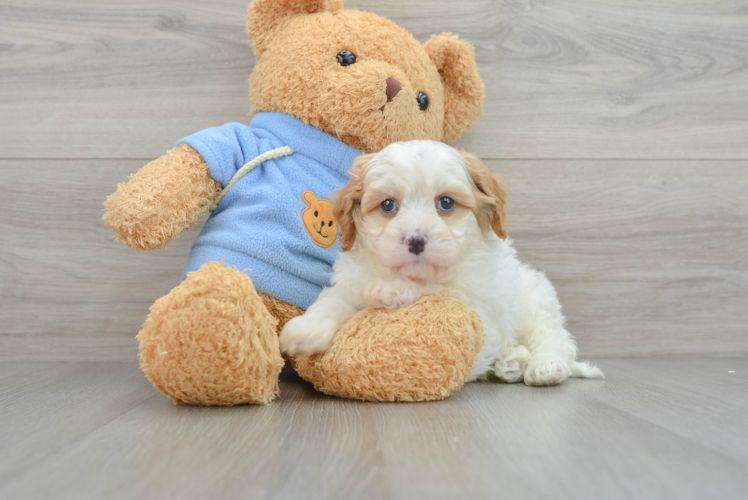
{"type": "Point", "coordinates": [419, 218]}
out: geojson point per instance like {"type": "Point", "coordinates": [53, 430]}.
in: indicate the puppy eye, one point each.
{"type": "Point", "coordinates": [388, 206]}
{"type": "Point", "coordinates": [346, 57]}
{"type": "Point", "coordinates": [446, 204]}
{"type": "Point", "coordinates": [423, 101]}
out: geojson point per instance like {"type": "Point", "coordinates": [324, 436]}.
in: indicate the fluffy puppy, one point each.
{"type": "Point", "coordinates": [418, 218]}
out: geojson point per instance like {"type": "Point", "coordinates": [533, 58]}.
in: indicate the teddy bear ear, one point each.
{"type": "Point", "coordinates": [308, 197]}
{"type": "Point", "coordinates": [264, 17]}
{"type": "Point", "coordinates": [463, 88]}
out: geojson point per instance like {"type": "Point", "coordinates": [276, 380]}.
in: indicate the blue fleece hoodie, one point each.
{"type": "Point", "coordinates": [257, 226]}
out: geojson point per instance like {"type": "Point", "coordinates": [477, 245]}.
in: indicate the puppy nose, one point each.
{"type": "Point", "coordinates": [416, 244]}
{"type": "Point", "coordinates": [393, 88]}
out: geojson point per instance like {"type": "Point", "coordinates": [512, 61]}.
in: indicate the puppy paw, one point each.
{"type": "Point", "coordinates": [546, 370]}
{"type": "Point", "coordinates": [306, 335]}
{"type": "Point", "coordinates": [511, 368]}
{"type": "Point", "coordinates": [391, 292]}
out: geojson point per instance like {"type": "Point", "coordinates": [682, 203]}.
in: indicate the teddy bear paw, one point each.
{"type": "Point", "coordinates": [211, 341]}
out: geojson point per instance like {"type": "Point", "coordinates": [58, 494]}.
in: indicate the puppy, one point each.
{"type": "Point", "coordinates": [419, 218]}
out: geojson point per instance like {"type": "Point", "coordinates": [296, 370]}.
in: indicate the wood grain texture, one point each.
{"type": "Point", "coordinates": [656, 428]}
{"type": "Point", "coordinates": [648, 257]}
{"type": "Point", "coordinates": [564, 78]}
{"type": "Point", "coordinates": [45, 407]}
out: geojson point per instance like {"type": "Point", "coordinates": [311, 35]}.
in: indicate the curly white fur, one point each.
{"type": "Point", "coordinates": [526, 338]}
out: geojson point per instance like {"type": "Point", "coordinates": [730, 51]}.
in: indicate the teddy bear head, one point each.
{"type": "Point", "coordinates": [358, 76]}
{"type": "Point", "coordinates": [319, 221]}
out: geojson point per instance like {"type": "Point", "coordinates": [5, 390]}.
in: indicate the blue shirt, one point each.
{"type": "Point", "coordinates": [257, 227]}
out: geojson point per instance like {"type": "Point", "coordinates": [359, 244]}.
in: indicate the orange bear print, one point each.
{"type": "Point", "coordinates": [318, 220]}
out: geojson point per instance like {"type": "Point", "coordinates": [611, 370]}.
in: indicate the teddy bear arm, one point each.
{"type": "Point", "coordinates": [162, 199]}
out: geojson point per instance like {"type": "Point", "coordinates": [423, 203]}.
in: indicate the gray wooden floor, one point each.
{"type": "Point", "coordinates": [661, 427]}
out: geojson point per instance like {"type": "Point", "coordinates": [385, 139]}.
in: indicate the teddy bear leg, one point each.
{"type": "Point", "coordinates": [212, 341]}
{"type": "Point", "coordinates": [421, 352]}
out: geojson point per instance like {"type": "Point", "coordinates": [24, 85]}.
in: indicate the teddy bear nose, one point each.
{"type": "Point", "coordinates": [393, 88]}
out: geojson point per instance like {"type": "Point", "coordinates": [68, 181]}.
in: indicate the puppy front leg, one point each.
{"type": "Point", "coordinates": [314, 330]}
{"type": "Point", "coordinates": [391, 291]}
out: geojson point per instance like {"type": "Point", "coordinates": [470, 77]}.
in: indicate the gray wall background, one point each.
{"type": "Point", "coordinates": [621, 128]}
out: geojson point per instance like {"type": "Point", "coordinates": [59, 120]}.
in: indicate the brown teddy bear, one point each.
{"type": "Point", "coordinates": [328, 85]}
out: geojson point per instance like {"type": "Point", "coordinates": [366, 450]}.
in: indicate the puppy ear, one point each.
{"type": "Point", "coordinates": [463, 88]}
{"type": "Point", "coordinates": [347, 202]}
{"type": "Point", "coordinates": [264, 17]}
{"type": "Point", "coordinates": [490, 196]}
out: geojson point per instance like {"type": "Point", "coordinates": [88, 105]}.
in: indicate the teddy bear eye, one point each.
{"type": "Point", "coordinates": [316, 213]}
{"type": "Point", "coordinates": [423, 101]}
{"type": "Point", "coordinates": [329, 223]}
{"type": "Point", "coordinates": [346, 57]}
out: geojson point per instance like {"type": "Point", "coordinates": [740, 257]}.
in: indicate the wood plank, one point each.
{"type": "Point", "coordinates": [45, 407]}
{"type": "Point", "coordinates": [564, 78]}
{"type": "Point", "coordinates": [648, 257]}
{"type": "Point", "coordinates": [69, 291]}
{"type": "Point", "coordinates": [583, 439]}
{"type": "Point", "coordinates": [680, 385]}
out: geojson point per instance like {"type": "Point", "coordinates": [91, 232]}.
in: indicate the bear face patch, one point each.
{"type": "Point", "coordinates": [318, 220]}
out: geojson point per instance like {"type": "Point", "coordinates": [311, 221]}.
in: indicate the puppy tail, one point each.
{"type": "Point", "coordinates": [582, 369]}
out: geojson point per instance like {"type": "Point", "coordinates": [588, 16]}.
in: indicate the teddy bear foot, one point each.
{"type": "Point", "coordinates": [422, 352]}
{"type": "Point", "coordinates": [212, 341]}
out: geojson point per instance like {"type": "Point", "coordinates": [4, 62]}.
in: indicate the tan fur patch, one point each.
{"type": "Point", "coordinates": [490, 196]}
{"type": "Point", "coordinates": [282, 311]}
{"type": "Point", "coordinates": [348, 202]}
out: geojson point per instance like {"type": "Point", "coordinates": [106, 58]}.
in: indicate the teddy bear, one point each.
{"type": "Point", "coordinates": [329, 85]}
